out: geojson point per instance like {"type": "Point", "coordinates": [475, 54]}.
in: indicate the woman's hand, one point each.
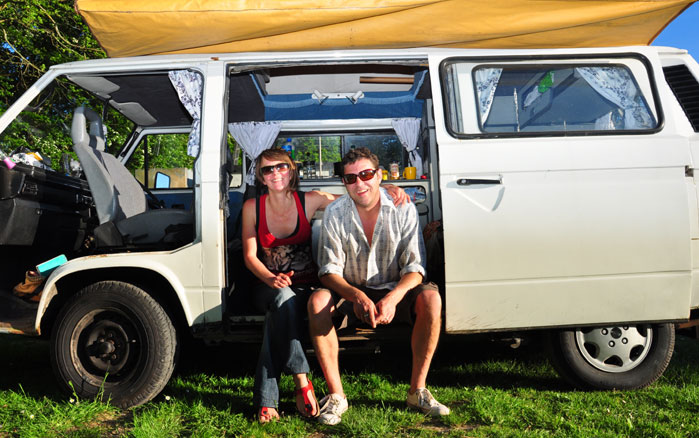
{"type": "Point", "coordinates": [280, 280]}
{"type": "Point", "coordinates": [399, 196]}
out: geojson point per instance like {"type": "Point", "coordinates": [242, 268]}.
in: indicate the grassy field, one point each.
{"type": "Point", "coordinates": [493, 391]}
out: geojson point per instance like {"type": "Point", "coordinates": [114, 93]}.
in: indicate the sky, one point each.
{"type": "Point", "coordinates": [683, 32]}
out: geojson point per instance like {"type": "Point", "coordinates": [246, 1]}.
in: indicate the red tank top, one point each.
{"type": "Point", "coordinates": [292, 253]}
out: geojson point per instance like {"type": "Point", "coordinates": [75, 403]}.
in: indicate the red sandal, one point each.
{"type": "Point", "coordinates": [309, 404]}
{"type": "Point", "coordinates": [265, 415]}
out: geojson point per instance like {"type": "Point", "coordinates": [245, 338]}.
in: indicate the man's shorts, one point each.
{"type": "Point", "coordinates": [405, 310]}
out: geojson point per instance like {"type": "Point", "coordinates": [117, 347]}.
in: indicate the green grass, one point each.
{"type": "Point", "coordinates": [493, 391]}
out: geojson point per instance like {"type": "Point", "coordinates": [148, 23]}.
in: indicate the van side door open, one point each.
{"type": "Point", "coordinates": [560, 192]}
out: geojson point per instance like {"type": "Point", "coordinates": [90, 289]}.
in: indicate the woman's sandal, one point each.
{"type": "Point", "coordinates": [265, 415]}
{"type": "Point", "coordinates": [309, 404]}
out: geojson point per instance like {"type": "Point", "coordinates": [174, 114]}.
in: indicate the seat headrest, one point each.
{"type": "Point", "coordinates": [78, 132]}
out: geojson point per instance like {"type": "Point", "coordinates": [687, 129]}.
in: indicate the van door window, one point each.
{"type": "Point", "coordinates": [166, 154]}
{"type": "Point", "coordinates": [548, 98]}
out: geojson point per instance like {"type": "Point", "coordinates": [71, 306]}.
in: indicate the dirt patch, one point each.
{"type": "Point", "coordinates": [116, 425]}
{"type": "Point", "coordinates": [112, 424]}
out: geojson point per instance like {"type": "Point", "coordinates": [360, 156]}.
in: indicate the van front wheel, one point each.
{"type": "Point", "coordinates": [113, 341]}
{"type": "Point", "coordinates": [613, 357]}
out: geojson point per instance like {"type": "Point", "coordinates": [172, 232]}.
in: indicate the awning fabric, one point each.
{"type": "Point", "coordinates": [138, 27]}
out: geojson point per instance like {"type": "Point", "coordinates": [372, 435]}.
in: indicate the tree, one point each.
{"type": "Point", "coordinates": [35, 35]}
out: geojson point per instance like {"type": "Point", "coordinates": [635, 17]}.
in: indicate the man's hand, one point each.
{"type": "Point", "coordinates": [280, 281]}
{"type": "Point", "coordinates": [386, 310]}
{"type": "Point", "coordinates": [365, 310]}
{"type": "Point", "coordinates": [399, 196]}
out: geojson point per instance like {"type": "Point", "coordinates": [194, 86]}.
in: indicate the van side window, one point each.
{"type": "Point", "coordinates": [554, 98]}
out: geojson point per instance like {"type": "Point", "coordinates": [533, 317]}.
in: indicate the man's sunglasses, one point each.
{"type": "Point", "coordinates": [364, 175]}
{"type": "Point", "coordinates": [281, 168]}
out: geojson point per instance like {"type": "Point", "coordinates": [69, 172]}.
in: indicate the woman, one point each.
{"type": "Point", "coordinates": [277, 250]}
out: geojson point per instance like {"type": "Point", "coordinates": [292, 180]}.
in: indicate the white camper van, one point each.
{"type": "Point", "coordinates": [557, 184]}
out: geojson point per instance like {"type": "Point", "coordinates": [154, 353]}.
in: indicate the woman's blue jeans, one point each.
{"type": "Point", "coordinates": [281, 346]}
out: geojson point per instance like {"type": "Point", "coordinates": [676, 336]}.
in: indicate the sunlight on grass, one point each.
{"type": "Point", "coordinates": [493, 391]}
{"type": "Point", "coordinates": [22, 415]}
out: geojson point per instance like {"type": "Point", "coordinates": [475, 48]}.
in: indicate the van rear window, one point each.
{"type": "Point", "coordinates": [558, 98]}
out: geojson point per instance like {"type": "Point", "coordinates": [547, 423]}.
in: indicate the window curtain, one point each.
{"type": "Point", "coordinates": [408, 130]}
{"type": "Point", "coordinates": [615, 85]}
{"type": "Point", "coordinates": [604, 123]}
{"type": "Point", "coordinates": [254, 137]}
{"type": "Point", "coordinates": [486, 82]}
{"type": "Point", "coordinates": [614, 119]}
{"type": "Point", "coordinates": [189, 86]}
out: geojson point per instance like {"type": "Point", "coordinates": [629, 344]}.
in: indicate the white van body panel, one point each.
{"type": "Point", "coordinates": [181, 268]}
{"type": "Point", "coordinates": [580, 230]}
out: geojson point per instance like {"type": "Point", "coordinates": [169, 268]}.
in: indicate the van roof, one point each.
{"type": "Point", "coordinates": [403, 56]}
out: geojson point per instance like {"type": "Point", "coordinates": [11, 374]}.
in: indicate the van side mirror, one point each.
{"type": "Point", "coordinates": [162, 180]}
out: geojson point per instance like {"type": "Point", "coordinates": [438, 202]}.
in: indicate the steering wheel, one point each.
{"type": "Point", "coordinates": [153, 202]}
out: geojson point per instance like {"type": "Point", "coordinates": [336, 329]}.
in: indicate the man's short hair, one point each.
{"type": "Point", "coordinates": [357, 154]}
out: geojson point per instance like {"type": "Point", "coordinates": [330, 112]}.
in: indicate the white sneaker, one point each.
{"type": "Point", "coordinates": [423, 401]}
{"type": "Point", "coordinates": [331, 409]}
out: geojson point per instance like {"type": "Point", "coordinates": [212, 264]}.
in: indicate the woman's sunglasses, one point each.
{"type": "Point", "coordinates": [364, 175]}
{"type": "Point", "coordinates": [281, 168]}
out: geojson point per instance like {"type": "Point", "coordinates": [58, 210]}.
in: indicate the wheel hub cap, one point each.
{"type": "Point", "coordinates": [615, 349]}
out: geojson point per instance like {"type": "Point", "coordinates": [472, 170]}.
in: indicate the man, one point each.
{"type": "Point", "coordinates": [372, 259]}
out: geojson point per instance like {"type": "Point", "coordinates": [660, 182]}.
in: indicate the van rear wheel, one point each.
{"type": "Point", "coordinates": [113, 341]}
{"type": "Point", "coordinates": [613, 357]}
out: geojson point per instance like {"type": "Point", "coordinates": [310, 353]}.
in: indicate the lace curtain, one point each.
{"type": "Point", "coordinates": [486, 82]}
{"type": "Point", "coordinates": [615, 85]}
{"type": "Point", "coordinates": [189, 86]}
{"type": "Point", "coordinates": [254, 137]}
{"type": "Point", "coordinates": [408, 130]}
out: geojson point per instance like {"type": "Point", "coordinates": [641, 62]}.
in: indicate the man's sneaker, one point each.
{"type": "Point", "coordinates": [423, 401]}
{"type": "Point", "coordinates": [331, 409]}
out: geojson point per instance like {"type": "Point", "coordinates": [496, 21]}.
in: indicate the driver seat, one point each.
{"type": "Point", "coordinates": [121, 204]}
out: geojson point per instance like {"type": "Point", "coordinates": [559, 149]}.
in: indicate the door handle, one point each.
{"type": "Point", "coordinates": [474, 181]}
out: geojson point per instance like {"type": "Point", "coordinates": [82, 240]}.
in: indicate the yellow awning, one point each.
{"type": "Point", "coordinates": [147, 27]}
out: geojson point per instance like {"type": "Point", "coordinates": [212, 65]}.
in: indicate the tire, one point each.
{"type": "Point", "coordinates": [613, 357]}
{"type": "Point", "coordinates": [113, 341]}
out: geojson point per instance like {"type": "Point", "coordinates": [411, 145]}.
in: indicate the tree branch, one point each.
{"type": "Point", "coordinates": [60, 38]}
{"type": "Point", "coordinates": [25, 61]}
